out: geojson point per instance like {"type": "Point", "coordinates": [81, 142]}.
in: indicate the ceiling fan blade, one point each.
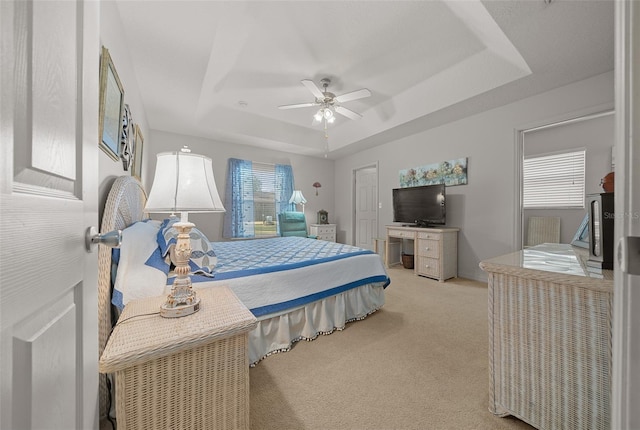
{"type": "Point", "coordinates": [311, 86]}
{"type": "Point", "coordinates": [348, 112]}
{"type": "Point", "coordinates": [353, 95]}
{"type": "Point", "coordinates": [299, 105]}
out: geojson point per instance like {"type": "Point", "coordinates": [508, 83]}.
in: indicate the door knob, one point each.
{"type": "Point", "coordinates": [113, 239]}
{"type": "Point", "coordinates": [629, 255]}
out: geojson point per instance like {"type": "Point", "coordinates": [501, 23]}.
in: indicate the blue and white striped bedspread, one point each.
{"type": "Point", "coordinates": [273, 275]}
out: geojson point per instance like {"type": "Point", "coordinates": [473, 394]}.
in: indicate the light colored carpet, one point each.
{"type": "Point", "coordinates": [418, 363]}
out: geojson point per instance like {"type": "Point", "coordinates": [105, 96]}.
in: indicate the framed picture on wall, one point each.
{"type": "Point", "coordinates": [111, 106]}
{"type": "Point", "coordinates": [126, 139]}
{"type": "Point", "coordinates": [138, 142]}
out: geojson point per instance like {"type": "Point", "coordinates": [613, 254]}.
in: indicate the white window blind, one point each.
{"type": "Point", "coordinates": [554, 180]}
{"type": "Point", "coordinates": [254, 194]}
{"type": "Point", "coordinates": [265, 193]}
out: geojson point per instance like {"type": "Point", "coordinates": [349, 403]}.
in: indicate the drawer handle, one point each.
{"type": "Point", "coordinates": [426, 265]}
{"type": "Point", "coordinates": [426, 248]}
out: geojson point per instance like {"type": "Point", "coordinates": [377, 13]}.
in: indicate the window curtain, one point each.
{"type": "Point", "coordinates": [284, 185]}
{"type": "Point", "coordinates": [239, 217]}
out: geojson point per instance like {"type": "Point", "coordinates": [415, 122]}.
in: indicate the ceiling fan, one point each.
{"type": "Point", "coordinates": [329, 103]}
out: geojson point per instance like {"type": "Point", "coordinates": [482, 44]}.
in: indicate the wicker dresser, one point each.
{"type": "Point", "coordinates": [181, 373]}
{"type": "Point", "coordinates": [550, 338]}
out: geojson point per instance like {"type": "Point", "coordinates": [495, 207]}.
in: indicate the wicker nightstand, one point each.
{"type": "Point", "coordinates": [182, 373]}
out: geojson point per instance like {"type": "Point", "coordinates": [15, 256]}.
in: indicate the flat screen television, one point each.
{"type": "Point", "coordinates": [420, 206]}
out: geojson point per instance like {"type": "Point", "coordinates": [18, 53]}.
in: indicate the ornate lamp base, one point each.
{"type": "Point", "coordinates": [168, 311]}
{"type": "Point", "coordinates": [183, 300]}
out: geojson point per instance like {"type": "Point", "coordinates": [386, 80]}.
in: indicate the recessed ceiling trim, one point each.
{"type": "Point", "coordinates": [233, 29]}
{"type": "Point", "coordinates": [477, 74]}
{"type": "Point", "coordinates": [479, 21]}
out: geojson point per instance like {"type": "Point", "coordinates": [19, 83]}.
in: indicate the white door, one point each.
{"type": "Point", "coordinates": [626, 327]}
{"type": "Point", "coordinates": [48, 196]}
{"type": "Point", "coordinates": [366, 206]}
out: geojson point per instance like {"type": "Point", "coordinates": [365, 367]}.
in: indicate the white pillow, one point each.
{"type": "Point", "coordinates": [141, 271]}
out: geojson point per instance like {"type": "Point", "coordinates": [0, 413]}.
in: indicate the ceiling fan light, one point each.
{"type": "Point", "coordinates": [318, 115]}
{"type": "Point", "coordinates": [328, 113]}
{"type": "Point", "coordinates": [331, 120]}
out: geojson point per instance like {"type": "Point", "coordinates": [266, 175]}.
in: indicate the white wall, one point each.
{"type": "Point", "coordinates": [112, 38]}
{"type": "Point", "coordinates": [484, 209]}
{"type": "Point", "coordinates": [306, 171]}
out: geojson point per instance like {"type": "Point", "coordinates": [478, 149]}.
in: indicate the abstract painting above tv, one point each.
{"type": "Point", "coordinates": [450, 172]}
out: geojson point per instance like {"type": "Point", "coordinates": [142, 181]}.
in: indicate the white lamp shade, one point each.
{"type": "Point", "coordinates": [297, 198]}
{"type": "Point", "coordinates": [183, 182]}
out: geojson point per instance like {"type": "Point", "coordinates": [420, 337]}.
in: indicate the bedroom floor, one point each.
{"type": "Point", "coordinates": [418, 363]}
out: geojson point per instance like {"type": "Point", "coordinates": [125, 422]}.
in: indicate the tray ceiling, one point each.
{"type": "Point", "coordinates": [218, 69]}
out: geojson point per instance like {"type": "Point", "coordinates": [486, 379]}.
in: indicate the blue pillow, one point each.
{"type": "Point", "coordinates": [203, 260]}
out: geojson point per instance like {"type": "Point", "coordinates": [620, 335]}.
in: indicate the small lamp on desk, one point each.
{"type": "Point", "coordinates": [183, 183]}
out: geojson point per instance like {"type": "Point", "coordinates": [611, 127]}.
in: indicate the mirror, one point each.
{"type": "Point", "coordinates": [594, 133]}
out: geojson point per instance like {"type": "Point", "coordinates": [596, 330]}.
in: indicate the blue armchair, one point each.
{"type": "Point", "coordinates": [293, 224]}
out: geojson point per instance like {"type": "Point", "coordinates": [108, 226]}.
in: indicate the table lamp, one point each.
{"type": "Point", "coordinates": [184, 183]}
{"type": "Point", "coordinates": [297, 198]}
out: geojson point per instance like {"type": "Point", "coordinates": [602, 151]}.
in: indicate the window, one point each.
{"type": "Point", "coordinates": [554, 180]}
{"type": "Point", "coordinates": [255, 194]}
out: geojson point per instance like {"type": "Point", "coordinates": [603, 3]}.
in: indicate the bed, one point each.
{"type": "Point", "coordinates": [297, 288]}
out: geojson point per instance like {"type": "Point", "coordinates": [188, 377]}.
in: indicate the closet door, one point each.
{"type": "Point", "coordinates": [366, 206]}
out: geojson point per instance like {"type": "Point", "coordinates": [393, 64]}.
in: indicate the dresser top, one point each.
{"type": "Point", "coordinates": [553, 262]}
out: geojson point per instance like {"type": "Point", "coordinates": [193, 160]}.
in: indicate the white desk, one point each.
{"type": "Point", "coordinates": [435, 250]}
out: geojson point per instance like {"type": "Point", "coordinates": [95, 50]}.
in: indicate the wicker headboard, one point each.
{"type": "Point", "coordinates": [124, 206]}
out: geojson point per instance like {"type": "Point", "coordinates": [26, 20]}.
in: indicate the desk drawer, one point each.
{"type": "Point", "coordinates": [400, 233]}
{"type": "Point", "coordinates": [428, 248]}
{"type": "Point", "coordinates": [430, 236]}
{"type": "Point", "coordinates": [428, 267]}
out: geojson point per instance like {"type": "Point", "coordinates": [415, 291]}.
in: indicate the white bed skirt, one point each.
{"type": "Point", "coordinates": [278, 332]}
